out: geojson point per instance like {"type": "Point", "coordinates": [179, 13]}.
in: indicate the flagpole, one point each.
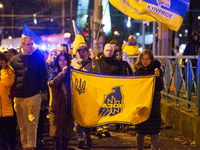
{"type": "Point", "coordinates": [101, 21]}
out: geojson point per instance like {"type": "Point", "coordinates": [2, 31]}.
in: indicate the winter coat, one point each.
{"type": "Point", "coordinates": [126, 68]}
{"type": "Point", "coordinates": [152, 125]}
{"type": "Point", "coordinates": [192, 48]}
{"type": "Point", "coordinates": [31, 74]}
{"type": "Point", "coordinates": [132, 50]}
{"type": "Point", "coordinates": [7, 78]}
{"type": "Point", "coordinates": [60, 119]}
{"type": "Point", "coordinates": [110, 66]}
{"type": "Point", "coordinates": [87, 65]}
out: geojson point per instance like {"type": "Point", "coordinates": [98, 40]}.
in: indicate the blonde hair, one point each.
{"type": "Point", "coordinates": [23, 40]}
{"type": "Point", "coordinates": [108, 45]}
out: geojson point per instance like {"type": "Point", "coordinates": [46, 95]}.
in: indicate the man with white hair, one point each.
{"type": "Point", "coordinates": [108, 65]}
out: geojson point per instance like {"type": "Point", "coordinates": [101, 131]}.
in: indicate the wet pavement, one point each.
{"type": "Point", "coordinates": [126, 140]}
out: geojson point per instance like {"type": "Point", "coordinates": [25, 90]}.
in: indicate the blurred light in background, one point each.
{"type": "Point", "coordinates": [129, 22]}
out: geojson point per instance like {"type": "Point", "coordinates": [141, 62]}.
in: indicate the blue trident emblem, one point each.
{"type": "Point", "coordinates": [113, 103]}
{"type": "Point", "coordinates": [80, 87]}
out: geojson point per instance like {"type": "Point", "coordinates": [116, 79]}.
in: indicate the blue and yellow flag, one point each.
{"type": "Point", "coordinates": [169, 12]}
{"type": "Point", "coordinates": [78, 37]}
{"type": "Point", "coordinates": [101, 99]}
{"type": "Point", "coordinates": [28, 32]}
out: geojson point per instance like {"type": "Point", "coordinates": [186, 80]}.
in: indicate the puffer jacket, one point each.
{"type": "Point", "coordinates": [7, 78]}
{"type": "Point", "coordinates": [31, 74]}
{"type": "Point", "coordinates": [132, 50]}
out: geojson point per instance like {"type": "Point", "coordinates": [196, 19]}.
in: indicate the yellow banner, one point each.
{"type": "Point", "coordinates": [100, 99]}
{"type": "Point", "coordinates": [132, 9]}
{"type": "Point", "coordinates": [169, 12]}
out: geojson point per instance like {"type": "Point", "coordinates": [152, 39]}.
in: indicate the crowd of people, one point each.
{"type": "Point", "coordinates": [35, 83]}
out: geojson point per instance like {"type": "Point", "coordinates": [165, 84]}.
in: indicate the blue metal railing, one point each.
{"type": "Point", "coordinates": [185, 79]}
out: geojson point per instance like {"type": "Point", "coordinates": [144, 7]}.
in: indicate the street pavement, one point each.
{"type": "Point", "coordinates": [126, 140]}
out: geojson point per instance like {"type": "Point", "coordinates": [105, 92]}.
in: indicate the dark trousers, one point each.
{"type": "Point", "coordinates": [8, 132]}
{"type": "Point", "coordinates": [40, 129]}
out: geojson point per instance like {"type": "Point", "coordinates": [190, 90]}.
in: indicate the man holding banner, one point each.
{"type": "Point", "coordinates": [85, 63]}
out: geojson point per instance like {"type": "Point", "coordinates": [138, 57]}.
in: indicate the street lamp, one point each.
{"type": "Point", "coordinates": [1, 5]}
{"type": "Point", "coordinates": [116, 33]}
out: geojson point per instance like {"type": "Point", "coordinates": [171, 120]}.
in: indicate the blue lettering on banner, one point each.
{"type": "Point", "coordinates": [160, 11]}
{"type": "Point", "coordinates": [131, 7]}
{"type": "Point", "coordinates": [113, 103]}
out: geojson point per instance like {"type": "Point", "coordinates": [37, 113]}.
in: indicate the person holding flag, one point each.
{"type": "Point", "coordinates": [146, 65]}
{"type": "Point", "coordinates": [89, 64]}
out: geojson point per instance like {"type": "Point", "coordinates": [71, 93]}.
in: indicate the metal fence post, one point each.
{"type": "Point", "coordinates": [198, 86]}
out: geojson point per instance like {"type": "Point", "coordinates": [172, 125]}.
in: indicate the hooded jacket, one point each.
{"type": "Point", "coordinates": [7, 78]}
{"type": "Point", "coordinates": [192, 48]}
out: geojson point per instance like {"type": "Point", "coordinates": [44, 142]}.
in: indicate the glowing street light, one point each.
{"type": "Point", "coordinates": [1, 5]}
{"type": "Point", "coordinates": [137, 33]}
{"type": "Point", "coordinates": [116, 33]}
{"type": "Point", "coordinates": [67, 35]}
{"type": "Point", "coordinates": [129, 22]}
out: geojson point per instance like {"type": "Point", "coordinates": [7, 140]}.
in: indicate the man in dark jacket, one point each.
{"type": "Point", "coordinates": [30, 81]}
{"type": "Point", "coordinates": [108, 65]}
{"type": "Point", "coordinates": [193, 47]}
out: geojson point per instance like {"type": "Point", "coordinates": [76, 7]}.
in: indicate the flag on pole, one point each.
{"type": "Point", "coordinates": [78, 37]}
{"type": "Point", "coordinates": [169, 12]}
{"type": "Point", "coordinates": [100, 99]}
{"type": "Point", "coordinates": [28, 32]}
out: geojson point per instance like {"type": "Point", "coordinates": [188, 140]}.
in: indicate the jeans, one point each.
{"type": "Point", "coordinates": [154, 141]}
{"type": "Point", "coordinates": [80, 130]}
{"type": "Point", "coordinates": [28, 111]}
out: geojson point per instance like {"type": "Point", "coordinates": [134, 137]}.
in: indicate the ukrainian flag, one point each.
{"type": "Point", "coordinates": [169, 12]}
{"type": "Point", "coordinates": [28, 32]}
{"type": "Point", "coordinates": [78, 37]}
{"type": "Point", "coordinates": [101, 99]}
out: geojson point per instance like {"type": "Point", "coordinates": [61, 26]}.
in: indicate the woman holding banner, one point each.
{"type": "Point", "coordinates": [60, 119]}
{"type": "Point", "coordinates": [146, 65]}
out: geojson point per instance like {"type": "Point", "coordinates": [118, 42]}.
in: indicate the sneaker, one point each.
{"type": "Point", "coordinates": [99, 134]}
{"type": "Point", "coordinates": [81, 145]}
{"type": "Point", "coordinates": [107, 134]}
{"type": "Point", "coordinates": [40, 142]}
{"type": "Point", "coordinates": [89, 142]}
